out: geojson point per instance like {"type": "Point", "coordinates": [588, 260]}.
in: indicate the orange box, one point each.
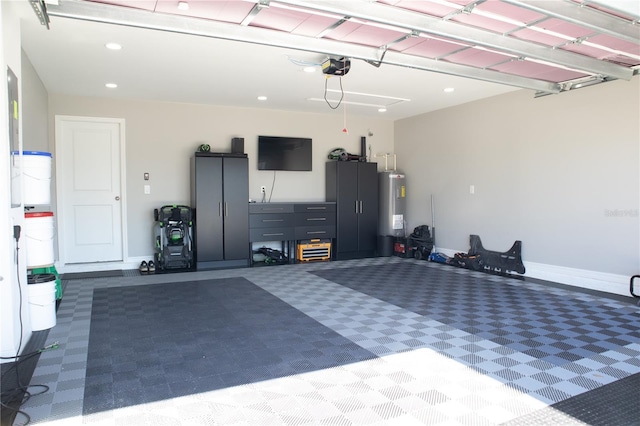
{"type": "Point", "coordinates": [314, 250]}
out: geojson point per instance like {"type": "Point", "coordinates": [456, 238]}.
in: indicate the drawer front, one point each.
{"type": "Point", "coordinates": [275, 220]}
{"type": "Point", "coordinates": [271, 234]}
{"type": "Point", "coordinates": [270, 208]}
{"type": "Point", "coordinates": [320, 218]}
{"type": "Point", "coordinates": [314, 207]}
{"type": "Point", "coordinates": [311, 232]}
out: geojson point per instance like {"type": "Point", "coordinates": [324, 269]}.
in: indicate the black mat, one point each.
{"type": "Point", "coordinates": [617, 403]}
{"type": "Point", "coordinates": [155, 342]}
{"type": "Point", "coordinates": [555, 328]}
{"type": "Point", "coordinates": [94, 274]}
{"type": "Point", "coordinates": [17, 375]}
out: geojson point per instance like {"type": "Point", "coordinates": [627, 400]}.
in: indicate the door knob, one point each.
{"type": "Point", "coordinates": [117, 198]}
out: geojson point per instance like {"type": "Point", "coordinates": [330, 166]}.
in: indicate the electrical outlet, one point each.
{"type": "Point", "coordinates": [263, 189]}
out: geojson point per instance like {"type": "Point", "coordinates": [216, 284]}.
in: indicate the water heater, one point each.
{"type": "Point", "coordinates": [392, 203]}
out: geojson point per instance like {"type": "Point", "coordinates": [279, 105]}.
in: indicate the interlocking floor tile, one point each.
{"type": "Point", "coordinates": [378, 341]}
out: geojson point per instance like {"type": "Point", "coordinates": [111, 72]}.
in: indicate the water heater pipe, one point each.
{"type": "Point", "coordinates": [433, 221]}
{"type": "Point", "coordinates": [386, 161]}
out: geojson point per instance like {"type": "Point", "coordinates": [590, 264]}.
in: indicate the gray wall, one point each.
{"type": "Point", "coordinates": [162, 137]}
{"type": "Point", "coordinates": [560, 173]}
{"type": "Point", "coordinates": [34, 107]}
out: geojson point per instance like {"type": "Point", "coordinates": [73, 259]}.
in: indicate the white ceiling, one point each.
{"type": "Point", "coordinates": [71, 58]}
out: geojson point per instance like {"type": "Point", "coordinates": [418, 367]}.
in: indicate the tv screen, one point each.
{"type": "Point", "coordinates": [284, 153]}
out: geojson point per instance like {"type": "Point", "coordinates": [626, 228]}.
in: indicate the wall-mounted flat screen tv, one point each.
{"type": "Point", "coordinates": [284, 153]}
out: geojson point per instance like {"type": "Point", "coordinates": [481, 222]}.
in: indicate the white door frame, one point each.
{"type": "Point", "coordinates": [60, 190]}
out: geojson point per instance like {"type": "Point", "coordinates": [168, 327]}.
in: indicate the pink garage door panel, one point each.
{"type": "Point", "coordinates": [565, 28]}
{"type": "Point", "coordinates": [433, 48]}
{"type": "Point", "coordinates": [313, 25]}
{"type": "Point", "coordinates": [225, 11]}
{"type": "Point", "coordinates": [477, 58]}
{"type": "Point", "coordinates": [623, 60]}
{"type": "Point", "coordinates": [593, 52]}
{"type": "Point", "coordinates": [292, 21]}
{"type": "Point", "coordinates": [602, 8]}
{"type": "Point", "coordinates": [354, 32]}
{"type": "Point", "coordinates": [371, 36]}
{"type": "Point", "coordinates": [141, 4]}
{"type": "Point", "coordinates": [406, 43]}
{"type": "Point", "coordinates": [539, 71]}
{"type": "Point", "coordinates": [615, 43]}
{"type": "Point", "coordinates": [484, 23]}
{"type": "Point", "coordinates": [425, 7]}
{"type": "Point", "coordinates": [280, 19]}
{"type": "Point", "coordinates": [539, 37]}
{"type": "Point", "coordinates": [510, 11]}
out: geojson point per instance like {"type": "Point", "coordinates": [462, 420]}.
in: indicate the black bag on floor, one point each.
{"type": "Point", "coordinates": [421, 233]}
{"type": "Point", "coordinates": [422, 242]}
{"type": "Point", "coordinates": [469, 261]}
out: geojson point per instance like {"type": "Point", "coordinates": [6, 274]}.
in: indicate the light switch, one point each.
{"type": "Point", "coordinates": [147, 189]}
{"type": "Point", "coordinates": [472, 189]}
{"type": "Point", "coordinates": [146, 176]}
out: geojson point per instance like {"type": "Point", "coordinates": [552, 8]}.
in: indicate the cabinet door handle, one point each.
{"type": "Point", "coordinates": [220, 209]}
{"type": "Point", "coordinates": [316, 218]}
{"type": "Point", "coordinates": [275, 234]}
{"type": "Point", "coordinates": [356, 206]}
{"type": "Point", "coordinates": [316, 232]}
{"type": "Point", "coordinates": [226, 209]}
{"type": "Point", "coordinates": [272, 220]}
{"type": "Point", "coordinates": [360, 206]}
{"type": "Point", "coordinates": [316, 208]}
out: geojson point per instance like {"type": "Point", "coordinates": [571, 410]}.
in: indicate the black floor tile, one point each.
{"type": "Point", "coordinates": [212, 334]}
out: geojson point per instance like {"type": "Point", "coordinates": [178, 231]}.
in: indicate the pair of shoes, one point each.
{"type": "Point", "coordinates": [144, 267]}
{"type": "Point", "coordinates": [152, 267]}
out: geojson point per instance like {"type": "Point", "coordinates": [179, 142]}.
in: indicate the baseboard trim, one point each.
{"type": "Point", "coordinates": [129, 263]}
{"type": "Point", "coordinates": [583, 278]}
{"type": "Point", "coordinates": [592, 280]}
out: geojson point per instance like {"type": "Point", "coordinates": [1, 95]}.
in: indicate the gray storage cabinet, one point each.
{"type": "Point", "coordinates": [220, 198]}
{"type": "Point", "coordinates": [291, 223]}
{"type": "Point", "coordinates": [354, 187]}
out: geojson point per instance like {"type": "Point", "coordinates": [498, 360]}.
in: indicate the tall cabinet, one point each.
{"type": "Point", "coordinates": [354, 188]}
{"type": "Point", "coordinates": [220, 198]}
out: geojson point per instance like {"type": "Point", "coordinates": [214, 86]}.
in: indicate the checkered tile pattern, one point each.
{"type": "Point", "coordinates": [449, 347]}
{"type": "Point", "coordinates": [546, 342]}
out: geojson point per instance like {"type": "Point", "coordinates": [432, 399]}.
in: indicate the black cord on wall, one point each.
{"type": "Point", "coordinates": [21, 392]}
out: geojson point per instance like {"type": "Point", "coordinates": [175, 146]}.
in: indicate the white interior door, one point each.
{"type": "Point", "coordinates": [88, 171]}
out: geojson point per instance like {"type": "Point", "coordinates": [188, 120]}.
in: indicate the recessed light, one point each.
{"type": "Point", "coordinates": [113, 46]}
{"type": "Point", "coordinates": [111, 85]}
{"type": "Point", "coordinates": [449, 89]}
{"type": "Point", "coordinates": [183, 5]}
{"type": "Point", "coordinates": [262, 98]}
{"type": "Point", "coordinates": [382, 110]}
